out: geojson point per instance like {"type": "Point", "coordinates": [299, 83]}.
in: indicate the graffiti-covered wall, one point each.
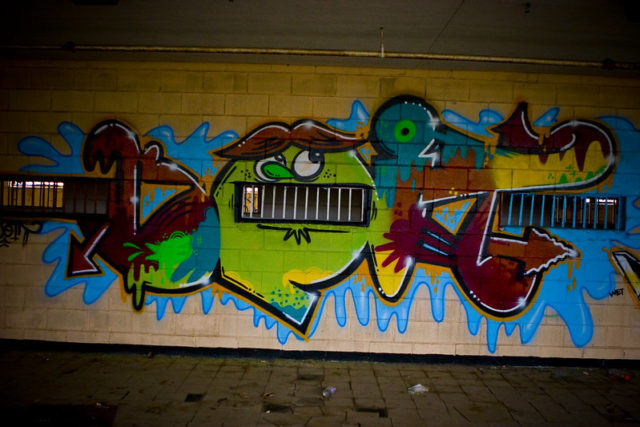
{"type": "Point", "coordinates": [310, 208]}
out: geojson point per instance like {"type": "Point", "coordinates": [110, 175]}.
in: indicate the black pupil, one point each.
{"type": "Point", "coordinates": [315, 156]}
{"type": "Point", "coordinates": [405, 131]}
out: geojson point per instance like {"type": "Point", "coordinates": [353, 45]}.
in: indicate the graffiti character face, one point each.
{"type": "Point", "coordinates": [287, 196]}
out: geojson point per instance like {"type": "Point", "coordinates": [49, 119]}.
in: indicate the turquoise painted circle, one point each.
{"type": "Point", "coordinates": [404, 131]}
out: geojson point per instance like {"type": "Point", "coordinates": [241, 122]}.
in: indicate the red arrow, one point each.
{"type": "Point", "coordinates": [80, 254]}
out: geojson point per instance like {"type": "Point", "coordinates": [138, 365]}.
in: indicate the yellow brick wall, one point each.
{"type": "Point", "coordinates": [36, 96]}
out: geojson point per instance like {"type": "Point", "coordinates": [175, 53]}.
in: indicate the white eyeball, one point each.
{"type": "Point", "coordinates": [307, 164]}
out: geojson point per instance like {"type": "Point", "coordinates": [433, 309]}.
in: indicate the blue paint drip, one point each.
{"type": "Point", "coordinates": [159, 197]}
{"type": "Point", "coordinates": [56, 253]}
{"type": "Point", "coordinates": [359, 117]}
{"type": "Point", "coordinates": [207, 300]}
{"type": "Point", "coordinates": [177, 303]}
{"type": "Point", "coordinates": [190, 151]}
{"type": "Point", "coordinates": [54, 161]}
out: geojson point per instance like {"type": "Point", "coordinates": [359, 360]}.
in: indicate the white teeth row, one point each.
{"type": "Point", "coordinates": [304, 203]}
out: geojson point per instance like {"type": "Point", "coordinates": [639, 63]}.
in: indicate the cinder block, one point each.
{"type": "Point", "coordinates": [14, 78]}
{"type": "Point", "coordinates": [216, 342]}
{"type": "Point", "coordinates": [116, 102]}
{"type": "Point", "coordinates": [4, 100]}
{"type": "Point", "coordinates": [141, 123]}
{"type": "Point", "coordinates": [98, 337]}
{"type": "Point", "coordinates": [197, 324]}
{"type": "Point", "coordinates": [45, 335]}
{"type": "Point", "coordinates": [391, 347]}
{"type": "Point", "coordinates": [490, 91]}
{"type": "Point", "coordinates": [275, 83]}
{"type": "Point", "coordinates": [534, 93]}
{"type": "Point", "coordinates": [225, 82]}
{"type": "Point", "coordinates": [96, 79]}
{"type": "Point", "coordinates": [334, 107]}
{"type": "Point", "coordinates": [172, 340]}
{"type": "Point", "coordinates": [433, 348]}
{"type": "Point", "coordinates": [86, 121]}
{"type": "Point", "coordinates": [25, 318]}
{"type": "Point", "coordinates": [138, 80]}
{"type": "Point", "coordinates": [129, 338]}
{"type": "Point", "coordinates": [314, 84]}
{"type": "Point", "coordinates": [163, 102]}
{"type": "Point", "coordinates": [12, 334]}
{"type": "Point", "coordinates": [12, 297]}
{"type": "Point", "coordinates": [290, 106]}
{"type": "Point", "coordinates": [182, 125]}
{"type": "Point", "coordinates": [246, 105]}
{"type": "Point", "coordinates": [224, 123]}
{"type": "Point", "coordinates": [620, 97]}
{"type": "Point", "coordinates": [178, 81]}
{"type": "Point", "coordinates": [203, 103]}
{"type": "Point", "coordinates": [29, 100]}
{"type": "Point", "coordinates": [577, 95]}
{"type": "Point", "coordinates": [601, 353]}
{"type": "Point", "coordinates": [358, 86]}
{"type": "Point", "coordinates": [71, 100]}
{"type": "Point", "coordinates": [392, 86]}
{"type": "Point", "coordinates": [51, 78]}
{"type": "Point", "coordinates": [66, 320]}
{"type": "Point", "coordinates": [47, 122]}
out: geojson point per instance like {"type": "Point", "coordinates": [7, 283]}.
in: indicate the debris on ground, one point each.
{"type": "Point", "coordinates": [328, 392]}
{"type": "Point", "coordinates": [418, 389]}
{"type": "Point", "coordinates": [617, 374]}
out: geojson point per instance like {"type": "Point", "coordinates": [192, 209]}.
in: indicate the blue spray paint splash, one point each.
{"type": "Point", "coordinates": [54, 161]}
{"type": "Point", "coordinates": [358, 117]}
{"type": "Point", "coordinates": [190, 151]}
{"type": "Point", "coordinates": [486, 119]}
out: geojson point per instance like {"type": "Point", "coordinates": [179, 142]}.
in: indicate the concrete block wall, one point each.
{"type": "Point", "coordinates": [576, 313]}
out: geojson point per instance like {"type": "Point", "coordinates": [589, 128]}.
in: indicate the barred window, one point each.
{"type": "Point", "coordinates": [563, 211]}
{"type": "Point", "coordinates": [46, 195]}
{"type": "Point", "coordinates": [63, 198]}
{"type": "Point", "coordinates": [303, 203]}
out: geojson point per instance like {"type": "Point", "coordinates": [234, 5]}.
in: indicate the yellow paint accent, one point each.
{"type": "Point", "coordinates": [527, 170]}
{"type": "Point", "coordinates": [306, 276]}
{"type": "Point", "coordinates": [389, 281]}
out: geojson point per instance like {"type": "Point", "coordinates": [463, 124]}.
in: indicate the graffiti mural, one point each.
{"type": "Point", "coordinates": [289, 214]}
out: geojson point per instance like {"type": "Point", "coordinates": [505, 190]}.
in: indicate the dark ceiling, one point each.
{"type": "Point", "coordinates": [576, 30]}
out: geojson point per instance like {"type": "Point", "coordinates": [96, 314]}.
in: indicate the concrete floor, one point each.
{"type": "Point", "coordinates": [92, 388]}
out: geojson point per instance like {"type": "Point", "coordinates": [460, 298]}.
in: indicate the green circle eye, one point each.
{"type": "Point", "coordinates": [405, 130]}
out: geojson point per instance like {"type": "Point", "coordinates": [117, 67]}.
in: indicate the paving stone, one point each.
{"type": "Point", "coordinates": [185, 390]}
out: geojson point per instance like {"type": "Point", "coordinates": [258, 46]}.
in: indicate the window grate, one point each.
{"type": "Point", "coordinates": [562, 211]}
{"type": "Point", "coordinates": [65, 198]}
{"type": "Point", "coordinates": [302, 203]}
{"type": "Point", "coordinates": [33, 195]}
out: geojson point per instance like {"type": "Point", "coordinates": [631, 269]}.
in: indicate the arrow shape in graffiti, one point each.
{"type": "Point", "coordinates": [81, 254]}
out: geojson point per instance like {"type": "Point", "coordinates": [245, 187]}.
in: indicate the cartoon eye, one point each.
{"type": "Point", "coordinates": [272, 168]}
{"type": "Point", "coordinates": [307, 164]}
{"type": "Point", "coordinates": [405, 130]}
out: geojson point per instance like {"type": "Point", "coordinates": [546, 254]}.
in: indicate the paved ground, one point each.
{"type": "Point", "coordinates": [90, 388]}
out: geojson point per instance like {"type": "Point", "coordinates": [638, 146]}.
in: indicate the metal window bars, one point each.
{"type": "Point", "coordinates": [69, 197]}
{"type": "Point", "coordinates": [600, 212]}
{"type": "Point", "coordinates": [303, 203]}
